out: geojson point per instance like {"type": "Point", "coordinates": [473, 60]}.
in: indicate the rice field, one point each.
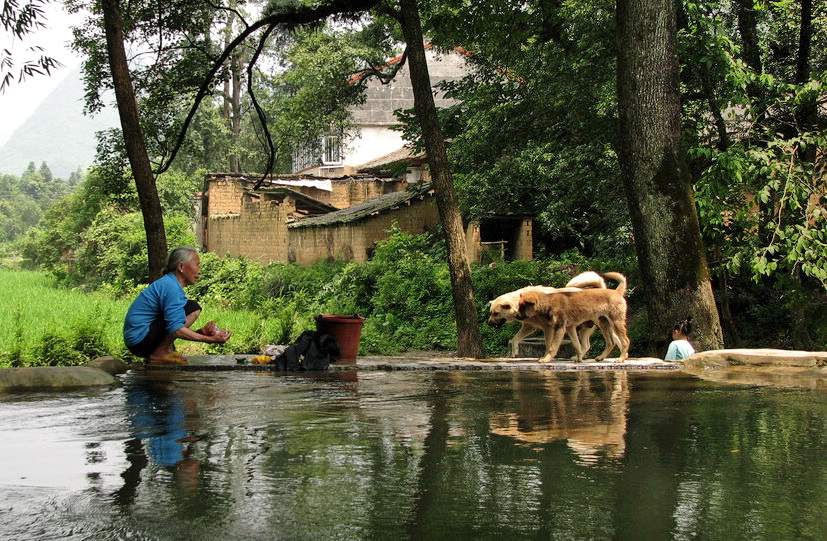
{"type": "Point", "coordinates": [33, 308]}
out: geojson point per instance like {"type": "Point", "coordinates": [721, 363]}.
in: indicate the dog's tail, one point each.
{"type": "Point", "coordinates": [587, 280]}
{"type": "Point", "coordinates": [619, 278]}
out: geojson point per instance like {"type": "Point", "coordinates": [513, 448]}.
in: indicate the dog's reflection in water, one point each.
{"type": "Point", "coordinates": [587, 411]}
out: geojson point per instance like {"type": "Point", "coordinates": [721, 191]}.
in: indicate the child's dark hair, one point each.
{"type": "Point", "coordinates": [684, 326]}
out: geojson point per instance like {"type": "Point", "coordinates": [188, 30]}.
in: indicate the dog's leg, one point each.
{"type": "Point", "coordinates": [584, 331]}
{"type": "Point", "coordinates": [524, 332]}
{"type": "Point", "coordinates": [575, 343]}
{"type": "Point", "coordinates": [622, 341]}
{"type": "Point", "coordinates": [554, 336]}
{"type": "Point", "coordinates": [610, 336]}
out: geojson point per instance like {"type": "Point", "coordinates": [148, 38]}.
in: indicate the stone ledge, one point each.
{"type": "Point", "coordinates": [37, 378]}
{"type": "Point", "coordinates": [774, 367]}
{"type": "Point", "coordinates": [110, 365]}
{"type": "Point", "coordinates": [723, 358]}
{"type": "Point", "coordinates": [231, 362]}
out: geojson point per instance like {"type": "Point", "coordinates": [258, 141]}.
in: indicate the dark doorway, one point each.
{"type": "Point", "coordinates": [499, 238]}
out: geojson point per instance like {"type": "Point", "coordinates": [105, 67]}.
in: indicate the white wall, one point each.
{"type": "Point", "coordinates": [370, 143]}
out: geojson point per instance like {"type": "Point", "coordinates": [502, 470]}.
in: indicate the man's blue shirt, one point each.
{"type": "Point", "coordinates": [162, 299]}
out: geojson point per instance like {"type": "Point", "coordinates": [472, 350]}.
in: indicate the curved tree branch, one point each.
{"type": "Point", "coordinates": [385, 77]}
{"type": "Point", "coordinates": [294, 17]}
{"type": "Point", "coordinates": [262, 118]}
{"type": "Point", "coordinates": [231, 10]}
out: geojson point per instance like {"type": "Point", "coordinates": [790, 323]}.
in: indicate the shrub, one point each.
{"type": "Point", "coordinates": [88, 339]}
{"type": "Point", "coordinates": [227, 281]}
{"type": "Point", "coordinates": [56, 350]}
{"type": "Point", "coordinates": [411, 298]}
{"type": "Point", "coordinates": [289, 279]}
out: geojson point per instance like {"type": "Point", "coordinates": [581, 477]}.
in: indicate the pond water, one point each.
{"type": "Point", "coordinates": [417, 455]}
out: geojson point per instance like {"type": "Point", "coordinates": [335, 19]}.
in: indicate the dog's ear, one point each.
{"type": "Point", "coordinates": [526, 306]}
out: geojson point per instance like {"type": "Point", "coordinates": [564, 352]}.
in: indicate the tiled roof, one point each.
{"type": "Point", "coordinates": [382, 162]}
{"type": "Point", "coordinates": [369, 207]}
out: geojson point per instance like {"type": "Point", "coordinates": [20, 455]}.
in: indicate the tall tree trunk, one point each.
{"type": "Point", "coordinates": [806, 117]}
{"type": "Point", "coordinates": [714, 109]}
{"type": "Point", "coordinates": [156, 240]}
{"type": "Point", "coordinates": [469, 339]}
{"type": "Point", "coordinates": [231, 110]}
{"type": "Point", "coordinates": [657, 180]}
{"type": "Point", "coordinates": [747, 27]}
{"type": "Point", "coordinates": [807, 112]}
{"type": "Point", "coordinates": [751, 53]}
{"type": "Point", "coordinates": [235, 126]}
{"type": "Point", "coordinates": [802, 61]}
{"type": "Point", "coordinates": [226, 107]}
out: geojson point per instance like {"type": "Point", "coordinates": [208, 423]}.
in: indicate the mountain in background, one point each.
{"type": "Point", "coordinates": [57, 133]}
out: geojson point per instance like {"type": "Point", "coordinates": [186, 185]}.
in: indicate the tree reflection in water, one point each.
{"type": "Point", "coordinates": [424, 455]}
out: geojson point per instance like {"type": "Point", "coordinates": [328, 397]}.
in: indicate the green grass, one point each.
{"type": "Point", "coordinates": [45, 324]}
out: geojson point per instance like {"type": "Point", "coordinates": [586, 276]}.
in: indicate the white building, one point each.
{"type": "Point", "coordinates": [374, 139]}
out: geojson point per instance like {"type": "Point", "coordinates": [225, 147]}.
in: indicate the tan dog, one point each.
{"type": "Point", "coordinates": [505, 309]}
{"type": "Point", "coordinates": [587, 280]}
{"type": "Point", "coordinates": [560, 313]}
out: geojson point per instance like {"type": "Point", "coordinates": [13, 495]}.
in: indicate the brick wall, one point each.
{"type": "Point", "coordinates": [225, 192]}
{"type": "Point", "coordinates": [224, 196]}
{"type": "Point", "coordinates": [349, 192]}
{"type": "Point", "coordinates": [524, 248]}
{"type": "Point", "coordinates": [239, 226]}
{"type": "Point", "coordinates": [258, 232]}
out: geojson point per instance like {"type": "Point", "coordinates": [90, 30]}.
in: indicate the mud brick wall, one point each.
{"type": "Point", "coordinates": [353, 241]}
{"type": "Point", "coordinates": [472, 241]}
{"type": "Point", "coordinates": [352, 192]}
{"type": "Point", "coordinates": [224, 196]}
{"type": "Point", "coordinates": [523, 240]}
{"type": "Point", "coordinates": [238, 226]}
{"type": "Point", "coordinates": [259, 232]}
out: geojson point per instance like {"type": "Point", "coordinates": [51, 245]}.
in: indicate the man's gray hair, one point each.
{"type": "Point", "coordinates": [181, 254]}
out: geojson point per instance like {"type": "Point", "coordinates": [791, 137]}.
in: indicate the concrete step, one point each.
{"type": "Point", "coordinates": [535, 347]}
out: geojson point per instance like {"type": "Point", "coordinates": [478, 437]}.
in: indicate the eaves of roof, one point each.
{"type": "Point", "coordinates": [369, 207]}
{"type": "Point", "coordinates": [382, 163]}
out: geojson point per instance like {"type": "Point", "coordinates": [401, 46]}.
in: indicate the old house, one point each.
{"type": "Point", "coordinates": [344, 196]}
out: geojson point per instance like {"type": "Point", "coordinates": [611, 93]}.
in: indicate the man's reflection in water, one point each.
{"type": "Point", "coordinates": [162, 422]}
{"type": "Point", "coordinates": [587, 411]}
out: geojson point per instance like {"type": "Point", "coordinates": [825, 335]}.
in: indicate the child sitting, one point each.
{"type": "Point", "coordinates": [680, 348]}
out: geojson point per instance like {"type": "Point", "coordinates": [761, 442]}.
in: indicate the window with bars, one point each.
{"type": "Point", "coordinates": [331, 150]}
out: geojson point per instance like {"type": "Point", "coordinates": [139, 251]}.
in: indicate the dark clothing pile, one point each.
{"type": "Point", "coordinates": [311, 351]}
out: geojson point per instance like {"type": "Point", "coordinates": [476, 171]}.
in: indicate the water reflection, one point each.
{"type": "Point", "coordinates": [586, 411]}
{"type": "Point", "coordinates": [164, 423]}
{"type": "Point", "coordinates": [415, 455]}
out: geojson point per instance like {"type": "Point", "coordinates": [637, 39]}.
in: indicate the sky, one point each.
{"type": "Point", "coordinates": [19, 101]}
